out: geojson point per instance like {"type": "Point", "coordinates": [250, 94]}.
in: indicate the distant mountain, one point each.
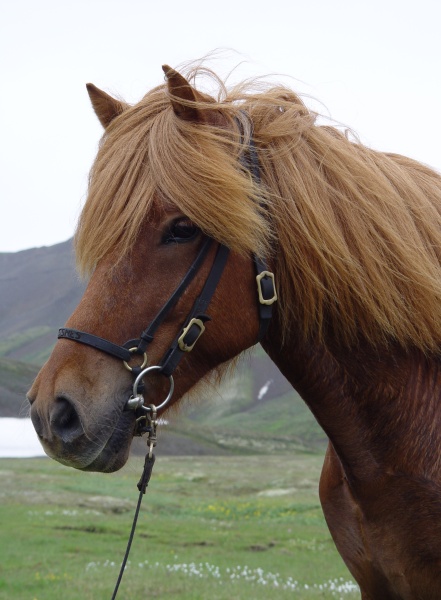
{"type": "Point", "coordinates": [254, 409]}
{"type": "Point", "coordinates": [39, 289]}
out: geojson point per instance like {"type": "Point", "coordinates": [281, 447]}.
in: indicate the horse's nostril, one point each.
{"type": "Point", "coordinates": [64, 420]}
{"type": "Point", "coordinates": [37, 422]}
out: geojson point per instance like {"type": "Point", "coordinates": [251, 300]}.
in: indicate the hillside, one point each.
{"type": "Point", "coordinates": [39, 289]}
{"type": "Point", "coordinates": [15, 379]}
{"type": "Point", "coordinates": [254, 410]}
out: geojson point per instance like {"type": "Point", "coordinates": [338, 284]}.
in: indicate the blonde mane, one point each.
{"type": "Point", "coordinates": [354, 234]}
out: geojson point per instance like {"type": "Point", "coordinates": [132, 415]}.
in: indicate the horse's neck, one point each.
{"type": "Point", "coordinates": [382, 411]}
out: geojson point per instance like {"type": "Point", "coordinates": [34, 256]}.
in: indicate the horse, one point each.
{"type": "Point", "coordinates": [297, 236]}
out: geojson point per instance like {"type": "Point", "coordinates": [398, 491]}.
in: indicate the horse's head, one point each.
{"type": "Point", "coordinates": [154, 233]}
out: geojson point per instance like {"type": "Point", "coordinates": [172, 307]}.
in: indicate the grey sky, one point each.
{"type": "Point", "coordinates": [373, 65]}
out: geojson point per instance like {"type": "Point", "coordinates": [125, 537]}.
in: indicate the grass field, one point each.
{"type": "Point", "coordinates": [210, 528]}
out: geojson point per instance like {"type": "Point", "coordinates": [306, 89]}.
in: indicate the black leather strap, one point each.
{"type": "Point", "coordinates": [147, 335]}
{"type": "Point", "coordinates": [96, 342]}
{"type": "Point", "coordinates": [250, 161]}
{"type": "Point", "coordinates": [175, 353]}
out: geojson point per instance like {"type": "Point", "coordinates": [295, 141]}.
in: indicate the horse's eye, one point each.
{"type": "Point", "coordinates": [181, 230]}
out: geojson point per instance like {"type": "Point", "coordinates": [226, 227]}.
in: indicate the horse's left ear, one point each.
{"type": "Point", "coordinates": [182, 95]}
{"type": "Point", "coordinates": [106, 108]}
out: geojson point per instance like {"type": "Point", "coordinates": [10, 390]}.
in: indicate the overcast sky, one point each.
{"type": "Point", "coordinates": [374, 66]}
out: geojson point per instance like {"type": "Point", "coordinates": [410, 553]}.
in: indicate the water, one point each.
{"type": "Point", "coordinates": [18, 439]}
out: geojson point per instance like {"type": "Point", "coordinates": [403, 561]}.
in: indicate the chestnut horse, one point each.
{"type": "Point", "coordinates": [353, 237]}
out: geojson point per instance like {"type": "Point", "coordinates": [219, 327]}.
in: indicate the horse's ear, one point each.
{"type": "Point", "coordinates": [181, 94]}
{"type": "Point", "coordinates": [106, 108]}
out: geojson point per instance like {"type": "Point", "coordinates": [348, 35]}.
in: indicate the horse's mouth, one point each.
{"type": "Point", "coordinates": [115, 453]}
{"type": "Point", "coordinates": [90, 453]}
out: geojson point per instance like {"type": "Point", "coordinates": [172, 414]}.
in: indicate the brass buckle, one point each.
{"type": "Point", "coordinates": [259, 278]}
{"type": "Point", "coordinates": [181, 343]}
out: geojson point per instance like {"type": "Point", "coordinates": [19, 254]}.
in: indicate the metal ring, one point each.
{"type": "Point", "coordinates": [154, 368]}
{"type": "Point", "coordinates": [144, 362]}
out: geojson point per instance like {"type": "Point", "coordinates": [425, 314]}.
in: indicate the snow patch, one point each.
{"type": "Point", "coordinates": [264, 389]}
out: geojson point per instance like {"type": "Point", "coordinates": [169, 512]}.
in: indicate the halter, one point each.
{"type": "Point", "coordinates": [194, 324]}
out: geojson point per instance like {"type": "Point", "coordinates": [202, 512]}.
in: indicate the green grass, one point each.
{"type": "Point", "coordinates": [280, 418]}
{"type": "Point", "coordinates": [210, 527]}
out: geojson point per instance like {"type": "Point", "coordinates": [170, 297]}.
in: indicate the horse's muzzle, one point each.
{"type": "Point", "coordinates": [102, 446]}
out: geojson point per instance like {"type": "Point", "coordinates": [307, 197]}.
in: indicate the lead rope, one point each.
{"type": "Point", "coordinates": [150, 429]}
{"type": "Point", "coordinates": [142, 486]}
